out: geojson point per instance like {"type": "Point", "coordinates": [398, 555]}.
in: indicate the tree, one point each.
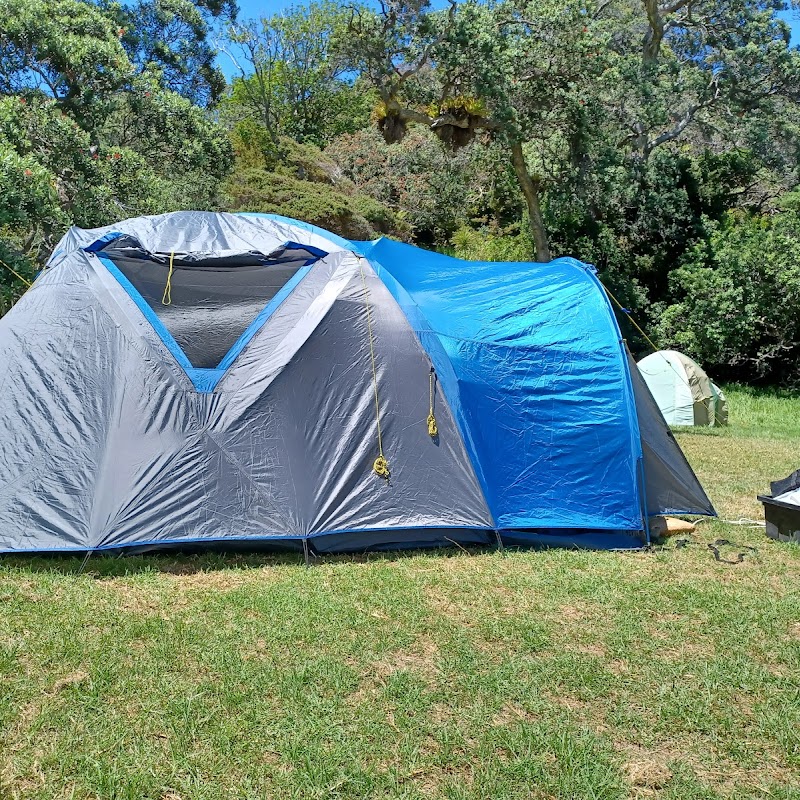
{"type": "Point", "coordinates": [740, 295]}
{"type": "Point", "coordinates": [551, 79]}
{"type": "Point", "coordinates": [514, 70]}
{"type": "Point", "coordinates": [175, 38]}
{"type": "Point", "coordinates": [289, 78]}
{"type": "Point", "coordinates": [64, 49]}
{"type": "Point", "coordinates": [305, 184]}
{"type": "Point", "coordinates": [84, 137]}
{"type": "Point", "coordinates": [436, 192]}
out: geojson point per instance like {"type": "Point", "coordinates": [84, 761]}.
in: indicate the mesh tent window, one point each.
{"type": "Point", "coordinates": [213, 298]}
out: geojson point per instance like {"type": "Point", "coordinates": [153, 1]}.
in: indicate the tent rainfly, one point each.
{"type": "Point", "coordinates": [684, 392]}
{"type": "Point", "coordinates": [198, 379]}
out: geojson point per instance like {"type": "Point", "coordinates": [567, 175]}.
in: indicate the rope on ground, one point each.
{"type": "Point", "coordinates": [380, 466]}
{"type": "Point", "coordinates": [166, 299]}
{"type": "Point", "coordinates": [16, 274]}
{"type": "Point", "coordinates": [713, 547]}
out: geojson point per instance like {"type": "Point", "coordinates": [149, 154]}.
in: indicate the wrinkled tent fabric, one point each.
{"type": "Point", "coordinates": [682, 389]}
{"type": "Point", "coordinates": [128, 424]}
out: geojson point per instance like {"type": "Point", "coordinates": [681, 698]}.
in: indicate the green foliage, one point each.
{"type": "Point", "coordinates": [291, 79]}
{"type": "Point", "coordinates": [434, 191]}
{"type": "Point", "coordinates": [300, 181]}
{"type": "Point", "coordinates": [85, 137]}
{"type": "Point", "coordinates": [488, 244]}
{"type": "Point", "coordinates": [253, 189]}
{"type": "Point", "coordinates": [11, 287]}
{"type": "Point", "coordinates": [66, 48]}
{"type": "Point", "coordinates": [739, 299]}
{"type": "Point", "coordinates": [172, 37]}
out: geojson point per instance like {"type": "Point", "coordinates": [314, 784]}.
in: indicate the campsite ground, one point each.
{"type": "Point", "coordinates": [457, 675]}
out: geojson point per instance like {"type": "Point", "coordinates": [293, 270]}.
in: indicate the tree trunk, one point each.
{"type": "Point", "coordinates": [530, 188]}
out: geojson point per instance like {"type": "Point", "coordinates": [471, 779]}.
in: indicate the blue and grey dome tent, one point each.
{"type": "Point", "coordinates": [198, 379]}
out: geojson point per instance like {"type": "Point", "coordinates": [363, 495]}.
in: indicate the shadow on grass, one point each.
{"type": "Point", "coordinates": [178, 562]}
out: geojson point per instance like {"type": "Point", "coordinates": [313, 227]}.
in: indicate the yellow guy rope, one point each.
{"type": "Point", "coordinates": [433, 431]}
{"type": "Point", "coordinates": [166, 299]}
{"type": "Point", "coordinates": [632, 320]}
{"type": "Point", "coordinates": [647, 338]}
{"type": "Point", "coordinates": [380, 466]}
{"type": "Point", "coordinates": [17, 275]}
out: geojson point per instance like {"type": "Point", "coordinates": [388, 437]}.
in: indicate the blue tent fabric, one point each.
{"type": "Point", "coordinates": [542, 379]}
{"type": "Point", "coordinates": [544, 437]}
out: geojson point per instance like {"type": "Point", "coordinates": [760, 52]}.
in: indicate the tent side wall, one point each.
{"type": "Point", "coordinates": [542, 383]}
{"type": "Point", "coordinates": [667, 381]}
{"type": "Point", "coordinates": [671, 485]}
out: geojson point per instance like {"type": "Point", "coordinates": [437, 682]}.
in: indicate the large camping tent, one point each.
{"type": "Point", "coordinates": [684, 392]}
{"type": "Point", "coordinates": [197, 378]}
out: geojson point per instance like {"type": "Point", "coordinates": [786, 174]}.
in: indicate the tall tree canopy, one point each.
{"type": "Point", "coordinates": [556, 80]}
{"type": "Point", "coordinates": [175, 36]}
{"type": "Point", "coordinates": [88, 136]}
{"type": "Point", "coordinates": [291, 78]}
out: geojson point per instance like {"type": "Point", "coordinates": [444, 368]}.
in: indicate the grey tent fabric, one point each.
{"type": "Point", "coordinates": [232, 291]}
{"type": "Point", "coordinates": [200, 232]}
{"type": "Point", "coordinates": [283, 449]}
{"type": "Point", "coordinates": [671, 487]}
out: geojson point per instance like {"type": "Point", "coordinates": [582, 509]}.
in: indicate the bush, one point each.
{"type": "Point", "coordinates": [493, 244]}
{"type": "Point", "coordinates": [272, 193]}
{"type": "Point", "coordinates": [432, 190]}
{"type": "Point", "coordinates": [739, 306]}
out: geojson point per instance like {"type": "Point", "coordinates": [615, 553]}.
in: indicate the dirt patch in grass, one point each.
{"type": "Point", "coordinates": [421, 658]}
{"type": "Point", "coordinates": [454, 609]}
{"type": "Point", "coordinates": [649, 770]}
{"type": "Point", "coordinates": [432, 781]}
{"type": "Point", "coordinates": [73, 679]}
{"type": "Point", "coordinates": [512, 714]}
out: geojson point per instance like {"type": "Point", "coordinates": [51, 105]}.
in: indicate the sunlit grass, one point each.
{"type": "Point", "coordinates": [557, 674]}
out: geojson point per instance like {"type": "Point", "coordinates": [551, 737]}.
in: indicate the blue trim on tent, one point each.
{"type": "Point", "coordinates": [315, 251]}
{"type": "Point", "coordinates": [99, 244]}
{"type": "Point", "coordinates": [269, 309]}
{"type": "Point", "coordinates": [546, 537]}
{"type": "Point", "coordinates": [148, 313]}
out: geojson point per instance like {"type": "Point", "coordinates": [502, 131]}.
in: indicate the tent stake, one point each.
{"type": "Point", "coordinates": [83, 563]}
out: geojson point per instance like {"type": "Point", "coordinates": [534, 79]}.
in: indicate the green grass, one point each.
{"type": "Point", "coordinates": [455, 675]}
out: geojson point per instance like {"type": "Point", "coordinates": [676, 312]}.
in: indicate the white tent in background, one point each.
{"type": "Point", "coordinates": [684, 392]}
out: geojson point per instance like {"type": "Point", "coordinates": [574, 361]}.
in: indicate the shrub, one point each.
{"type": "Point", "coordinates": [739, 306]}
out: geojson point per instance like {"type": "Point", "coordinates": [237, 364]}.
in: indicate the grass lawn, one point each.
{"type": "Point", "coordinates": [458, 675]}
